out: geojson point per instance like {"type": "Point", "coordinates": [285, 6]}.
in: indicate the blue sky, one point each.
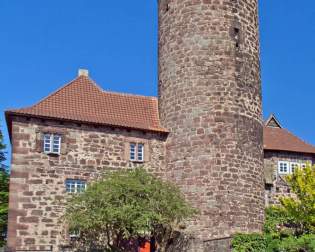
{"type": "Point", "coordinates": [43, 43]}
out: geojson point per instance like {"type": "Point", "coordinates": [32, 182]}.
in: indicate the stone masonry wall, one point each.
{"type": "Point", "coordinates": [38, 180]}
{"type": "Point", "coordinates": [279, 187]}
{"type": "Point", "coordinates": [210, 100]}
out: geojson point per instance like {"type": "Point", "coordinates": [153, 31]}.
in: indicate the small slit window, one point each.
{"type": "Point", "coordinates": [52, 143]}
{"type": "Point", "coordinates": [75, 186]}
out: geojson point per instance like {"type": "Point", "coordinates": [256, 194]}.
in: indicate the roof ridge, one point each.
{"type": "Point", "coordinates": [129, 94]}
{"type": "Point", "coordinates": [92, 82]}
{"type": "Point", "coordinates": [121, 93]}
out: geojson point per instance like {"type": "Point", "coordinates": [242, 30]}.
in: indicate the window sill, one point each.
{"type": "Point", "coordinates": [137, 162]}
{"type": "Point", "coordinates": [52, 154]}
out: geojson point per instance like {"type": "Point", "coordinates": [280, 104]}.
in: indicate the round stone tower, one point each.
{"type": "Point", "coordinates": [210, 100]}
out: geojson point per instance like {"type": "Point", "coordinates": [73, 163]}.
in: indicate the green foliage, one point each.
{"type": "Point", "coordinates": [124, 206]}
{"type": "Point", "coordinates": [4, 197]}
{"type": "Point", "coordinates": [249, 243]}
{"type": "Point", "coordinates": [4, 193]}
{"type": "Point", "coordinates": [296, 244]}
{"type": "Point", "coordinates": [301, 208]}
{"type": "Point", "coordinates": [2, 148]}
{"type": "Point", "coordinates": [289, 227]}
{"type": "Point", "coordinates": [267, 243]}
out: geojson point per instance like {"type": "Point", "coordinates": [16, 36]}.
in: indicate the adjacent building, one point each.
{"type": "Point", "coordinates": [283, 153]}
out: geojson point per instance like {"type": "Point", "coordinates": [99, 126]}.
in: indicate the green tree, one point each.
{"type": "Point", "coordinates": [4, 196]}
{"type": "Point", "coordinates": [116, 211]}
{"type": "Point", "coordinates": [4, 193]}
{"type": "Point", "coordinates": [2, 148]}
{"type": "Point", "coordinates": [289, 227]}
{"type": "Point", "coordinates": [301, 207]}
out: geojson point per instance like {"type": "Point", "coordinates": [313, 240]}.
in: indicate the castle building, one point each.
{"type": "Point", "coordinates": [69, 138]}
{"type": "Point", "coordinates": [283, 152]}
{"type": "Point", "coordinates": [204, 132]}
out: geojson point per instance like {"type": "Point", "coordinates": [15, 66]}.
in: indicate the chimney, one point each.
{"type": "Point", "coordinates": [83, 72]}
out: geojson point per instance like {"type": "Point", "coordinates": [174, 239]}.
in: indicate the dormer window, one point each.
{"type": "Point", "coordinates": [136, 152]}
{"type": "Point", "coordinates": [52, 143]}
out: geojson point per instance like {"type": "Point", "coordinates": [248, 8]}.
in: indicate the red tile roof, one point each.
{"type": "Point", "coordinates": [83, 101]}
{"type": "Point", "coordinates": [276, 138]}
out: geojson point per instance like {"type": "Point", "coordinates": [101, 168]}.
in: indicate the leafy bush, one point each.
{"type": "Point", "coordinates": [267, 243]}
{"type": "Point", "coordinates": [249, 243]}
{"type": "Point", "coordinates": [4, 193]}
{"type": "Point", "coordinates": [301, 208]}
{"type": "Point", "coordinates": [4, 199]}
{"type": "Point", "coordinates": [289, 227]}
{"type": "Point", "coordinates": [114, 212]}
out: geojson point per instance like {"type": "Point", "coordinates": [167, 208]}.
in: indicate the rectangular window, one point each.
{"type": "Point", "coordinates": [133, 152]}
{"type": "Point", "coordinates": [294, 166]}
{"type": "Point", "coordinates": [74, 234]}
{"type": "Point", "coordinates": [136, 152]}
{"type": "Point", "coordinates": [140, 152]}
{"type": "Point", "coordinates": [75, 186]}
{"type": "Point", "coordinates": [283, 167]}
{"type": "Point", "coordinates": [52, 143]}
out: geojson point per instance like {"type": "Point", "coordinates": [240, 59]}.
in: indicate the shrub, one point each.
{"type": "Point", "coordinates": [114, 212]}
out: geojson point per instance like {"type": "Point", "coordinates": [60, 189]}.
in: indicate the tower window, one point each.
{"type": "Point", "coordinates": [75, 186]}
{"type": "Point", "coordinates": [167, 8]}
{"type": "Point", "coordinates": [136, 152]}
{"type": "Point", "coordinates": [52, 143]}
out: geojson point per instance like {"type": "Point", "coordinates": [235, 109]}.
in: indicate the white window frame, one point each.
{"type": "Point", "coordinates": [133, 152]}
{"type": "Point", "coordinates": [136, 152]}
{"type": "Point", "coordinates": [75, 234]}
{"type": "Point", "coordinates": [140, 152]}
{"type": "Point", "coordinates": [49, 143]}
{"type": "Point", "coordinates": [76, 184]}
{"type": "Point", "coordinates": [298, 165]}
{"type": "Point", "coordinates": [279, 167]}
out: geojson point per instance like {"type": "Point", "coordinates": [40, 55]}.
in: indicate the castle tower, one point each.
{"type": "Point", "coordinates": [210, 100]}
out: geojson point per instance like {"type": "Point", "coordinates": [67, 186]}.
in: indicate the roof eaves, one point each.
{"type": "Point", "coordinates": [10, 113]}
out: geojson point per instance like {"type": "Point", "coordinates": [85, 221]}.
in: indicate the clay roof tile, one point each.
{"type": "Point", "coordinates": [83, 101]}
{"type": "Point", "coordinates": [280, 139]}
